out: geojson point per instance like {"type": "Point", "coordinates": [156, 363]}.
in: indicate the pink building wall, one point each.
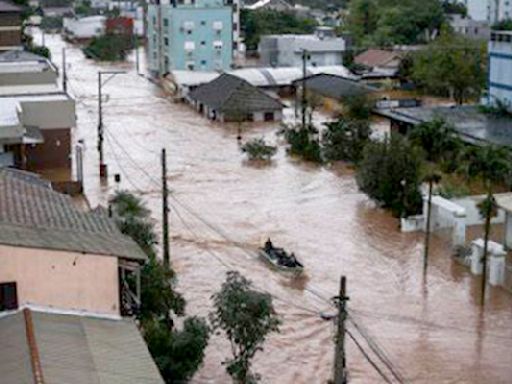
{"type": "Point", "coordinates": [63, 280]}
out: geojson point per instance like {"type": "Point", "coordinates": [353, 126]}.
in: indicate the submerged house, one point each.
{"type": "Point", "coordinates": [229, 98]}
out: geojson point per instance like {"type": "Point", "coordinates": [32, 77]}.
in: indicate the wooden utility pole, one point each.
{"type": "Point", "coordinates": [427, 229]}
{"type": "Point", "coordinates": [64, 74]}
{"type": "Point", "coordinates": [304, 73]}
{"type": "Point", "coordinates": [165, 211]}
{"type": "Point", "coordinates": [103, 168]}
{"type": "Point", "coordinates": [431, 179]}
{"type": "Point", "coordinates": [340, 373]}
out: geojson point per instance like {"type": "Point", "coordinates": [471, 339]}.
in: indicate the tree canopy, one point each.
{"type": "Point", "coordinates": [247, 317]}
{"type": "Point", "coordinates": [267, 22]}
{"type": "Point", "coordinates": [390, 22]}
{"type": "Point", "coordinates": [451, 66]}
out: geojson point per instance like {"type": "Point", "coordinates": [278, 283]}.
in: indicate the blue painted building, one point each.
{"type": "Point", "coordinates": [195, 35]}
{"type": "Point", "coordinates": [500, 67]}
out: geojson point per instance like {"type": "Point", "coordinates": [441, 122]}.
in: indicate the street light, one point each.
{"type": "Point", "coordinates": [103, 166]}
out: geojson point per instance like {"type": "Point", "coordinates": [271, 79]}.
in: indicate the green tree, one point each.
{"type": "Point", "coordinates": [247, 317]}
{"type": "Point", "coordinates": [390, 22]}
{"type": "Point", "coordinates": [177, 353]}
{"type": "Point", "coordinates": [391, 173]}
{"type": "Point", "coordinates": [493, 166]}
{"type": "Point", "coordinates": [503, 25]}
{"type": "Point", "coordinates": [345, 140]}
{"type": "Point", "coordinates": [268, 22]}
{"type": "Point", "coordinates": [451, 66]}
{"type": "Point", "coordinates": [110, 47]}
{"type": "Point", "coordinates": [440, 143]}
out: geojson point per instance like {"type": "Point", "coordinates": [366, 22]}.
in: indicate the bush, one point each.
{"type": "Point", "coordinates": [41, 51]}
{"type": "Point", "coordinates": [257, 149]}
{"type": "Point", "coordinates": [345, 140]}
{"type": "Point", "coordinates": [302, 144]}
{"type": "Point", "coordinates": [390, 173]}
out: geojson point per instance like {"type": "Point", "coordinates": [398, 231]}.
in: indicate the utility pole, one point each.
{"type": "Point", "coordinates": [304, 72]}
{"type": "Point", "coordinates": [43, 42]}
{"type": "Point", "coordinates": [340, 373]}
{"type": "Point", "coordinates": [64, 74]}
{"type": "Point", "coordinates": [136, 49]}
{"type": "Point", "coordinates": [165, 211]}
{"type": "Point", "coordinates": [431, 179]}
{"type": "Point", "coordinates": [103, 167]}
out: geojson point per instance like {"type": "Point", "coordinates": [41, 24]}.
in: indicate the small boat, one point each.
{"type": "Point", "coordinates": [280, 259]}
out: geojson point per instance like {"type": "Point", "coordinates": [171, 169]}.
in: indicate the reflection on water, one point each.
{"type": "Point", "coordinates": [432, 330]}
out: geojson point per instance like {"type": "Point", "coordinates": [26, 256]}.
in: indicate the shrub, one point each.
{"type": "Point", "coordinates": [257, 149]}
{"type": "Point", "coordinates": [345, 140]}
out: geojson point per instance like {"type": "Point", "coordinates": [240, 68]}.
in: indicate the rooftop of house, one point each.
{"type": "Point", "coordinates": [9, 7]}
{"type": "Point", "coordinates": [65, 348]}
{"type": "Point", "coordinates": [335, 87]}
{"type": "Point", "coordinates": [472, 125]}
{"type": "Point", "coordinates": [32, 215]}
{"type": "Point", "coordinates": [229, 93]}
{"type": "Point", "coordinates": [15, 67]}
{"type": "Point", "coordinates": [260, 76]}
{"type": "Point", "coordinates": [372, 58]}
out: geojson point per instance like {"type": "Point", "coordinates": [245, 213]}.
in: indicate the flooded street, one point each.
{"type": "Point", "coordinates": [432, 332]}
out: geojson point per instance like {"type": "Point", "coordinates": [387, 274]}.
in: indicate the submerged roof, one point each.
{"type": "Point", "coordinates": [73, 349]}
{"type": "Point", "coordinates": [335, 87]}
{"type": "Point", "coordinates": [472, 125]}
{"type": "Point", "coordinates": [35, 216]}
{"type": "Point", "coordinates": [229, 93]}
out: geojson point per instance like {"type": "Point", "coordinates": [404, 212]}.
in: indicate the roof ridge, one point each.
{"type": "Point", "coordinates": [35, 360]}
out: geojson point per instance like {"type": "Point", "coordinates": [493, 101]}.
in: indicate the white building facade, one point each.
{"type": "Point", "coordinates": [499, 10]}
{"type": "Point", "coordinates": [323, 48]}
{"type": "Point", "coordinates": [500, 67]}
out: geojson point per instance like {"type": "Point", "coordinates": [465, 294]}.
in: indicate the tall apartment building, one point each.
{"type": "Point", "coordinates": [194, 35]}
{"type": "Point", "coordinates": [477, 9]}
{"type": "Point", "coordinates": [500, 67]}
{"type": "Point", "coordinates": [10, 26]}
{"type": "Point", "coordinates": [499, 10]}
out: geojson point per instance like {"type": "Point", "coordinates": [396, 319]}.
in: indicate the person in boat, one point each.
{"type": "Point", "coordinates": [268, 245]}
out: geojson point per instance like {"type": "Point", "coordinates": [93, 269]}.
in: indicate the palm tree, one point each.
{"type": "Point", "coordinates": [492, 165]}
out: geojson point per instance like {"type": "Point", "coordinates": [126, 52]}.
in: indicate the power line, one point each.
{"type": "Point", "coordinates": [368, 358]}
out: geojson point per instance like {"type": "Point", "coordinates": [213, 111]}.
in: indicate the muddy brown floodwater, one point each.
{"type": "Point", "coordinates": [432, 331]}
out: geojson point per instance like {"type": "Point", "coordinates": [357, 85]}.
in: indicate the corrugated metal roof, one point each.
{"type": "Point", "coordinates": [35, 216]}
{"type": "Point", "coordinates": [15, 367]}
{"type": "Point", "coordinates": [335, 87]}
{"type": "Point", "coordinates": [76, 349]}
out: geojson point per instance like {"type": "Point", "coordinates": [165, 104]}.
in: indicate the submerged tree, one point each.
{"type": "Point", "coordinates": [247, 317]}
{"type": "Point", "coordinates": [258, 149]}
{"type": "Point", "coordinates": [390, 173]}
{"type": "Point", "coordinates": [345, 140]}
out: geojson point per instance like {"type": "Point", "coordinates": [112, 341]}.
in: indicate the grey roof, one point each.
{"type": "Point", "coordinates": [75, 349]}
{"type": "Point", "coordinates": [472, 125]}
{"type": "Point", "coordinates": [228, 93]}
{"type": "Point", "coordinates": [20, 56]}
{"type": "Point", "coordinates": [33, 215]}
{"type": "Point", "coordinates": [335, 87]}
{"type": "Point", "coordinates": [7, 6]}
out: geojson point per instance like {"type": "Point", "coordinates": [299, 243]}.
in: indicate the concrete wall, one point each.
{"type": "Point", "coordinates": [500, 67]}
{"type": "Point", "coordinates": [64, 280]}
{"type": "Point", "coordinates": [470, 204]}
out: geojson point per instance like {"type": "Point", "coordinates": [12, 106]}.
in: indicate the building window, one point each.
{"type": "Point", "coordinates": [154, 20]}
{"type": "Point", "coordinates": [8, 296]}
{"type": "Point", "coordinates": [203, 23]}
{"type": "Point", "coordinates": [190, 66]}
{"type": "Point", "coordinates": [189, 32]}
{"type": "Point", "coordinates": [166, 41]}
{"type": "Point", "coordinates": [166, 22]}
{"type": "Point", "coordinates": [203, 63]}
{"type": "Point", "coordinates": [269, 116]}
{"type": "Point", "coordinates": [217, 25]}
